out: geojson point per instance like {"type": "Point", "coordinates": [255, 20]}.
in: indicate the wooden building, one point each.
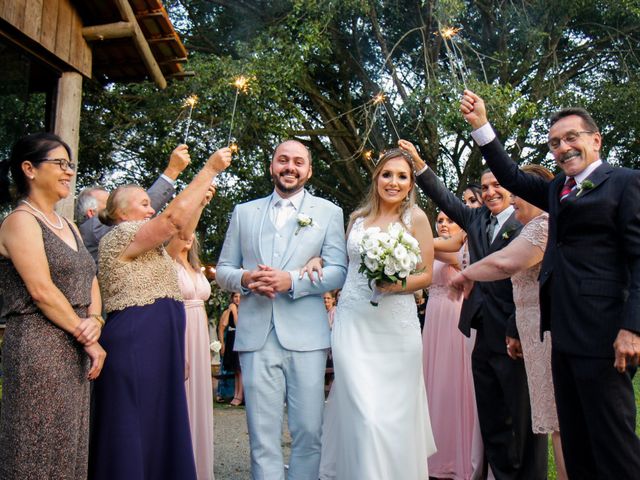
{"type": "Point", "coordinates": [49, 47]}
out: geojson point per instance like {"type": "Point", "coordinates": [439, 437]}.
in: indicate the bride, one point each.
{"type": "Point", "coordinates": [376, 423]}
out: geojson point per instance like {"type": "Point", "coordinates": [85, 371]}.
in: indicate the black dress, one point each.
{"type": "Point", "coordinates": [230, 360]}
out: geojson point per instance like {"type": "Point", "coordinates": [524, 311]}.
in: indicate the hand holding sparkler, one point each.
{"type": "Point", "coordinates": [473, 109]}
{"type": "Point", "coordinates": [219, 160]}
{"type": "Point", "coordinates": [178, 161]}
{"type": "Point", "coordinates": [418, 163]}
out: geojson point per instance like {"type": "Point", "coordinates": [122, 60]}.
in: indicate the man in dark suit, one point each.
{"type": "Point", "coordinates": [589, 287]}
{"type": "Point", "coordinates": [94, 199]}
{"type": "Point", "coordinates": [502, 395]}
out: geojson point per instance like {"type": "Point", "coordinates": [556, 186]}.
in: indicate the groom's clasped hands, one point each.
{"type": "Point", "coordinates": [266, 281]}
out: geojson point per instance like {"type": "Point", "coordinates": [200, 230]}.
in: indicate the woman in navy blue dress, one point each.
{"type": "Point", "coordinates": [140, 424]}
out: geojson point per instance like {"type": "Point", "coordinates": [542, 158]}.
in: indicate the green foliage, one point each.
{"type": "Point", "coordinates": [315, 66]}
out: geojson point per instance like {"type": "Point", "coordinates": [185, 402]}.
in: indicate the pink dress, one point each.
{"type": "Point", "coordinates": [198, 385]}
{"type": "Point", "coordinates": [449, 382]}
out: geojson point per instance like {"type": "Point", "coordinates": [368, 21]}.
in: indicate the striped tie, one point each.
{"type": "Point", "coordinates": [569, 183]}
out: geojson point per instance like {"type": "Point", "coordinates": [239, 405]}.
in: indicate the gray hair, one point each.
{"type": "Point", "coordinates": [85, 202]}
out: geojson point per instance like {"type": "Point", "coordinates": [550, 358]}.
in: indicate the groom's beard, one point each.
{"type": "Point", "coordinates": [283, 187]}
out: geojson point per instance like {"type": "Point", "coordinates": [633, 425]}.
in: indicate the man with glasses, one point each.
{"type": "Point", "coordinates": [589, 287]}
{"type": "Point", "coordinates": [92, 200]}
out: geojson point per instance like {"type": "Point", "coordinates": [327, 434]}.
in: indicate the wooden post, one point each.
{"type": "Point", "coordinates": [68, 104]}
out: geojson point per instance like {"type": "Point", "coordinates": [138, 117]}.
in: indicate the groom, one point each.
{"type": "Point", "coordinates": [283, 334]}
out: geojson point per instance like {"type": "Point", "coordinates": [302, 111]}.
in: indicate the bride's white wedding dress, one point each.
{"type": "Point", "coordinates": [376, 424]}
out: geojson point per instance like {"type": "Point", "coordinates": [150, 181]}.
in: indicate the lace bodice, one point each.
{"type": "Point", "coordinates": [356, 287]}
{"type": "Point", "coordinates": [526, 281]}
{"type": "Point", "coordinates": [142, 281]}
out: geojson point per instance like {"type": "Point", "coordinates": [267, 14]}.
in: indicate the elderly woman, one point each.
{"type": "Point", "coordinates": [52, 306]}
{"type": "Point", "coordinates": [141, 425]}
{"type": "Point", "coordinates": [521, 261]}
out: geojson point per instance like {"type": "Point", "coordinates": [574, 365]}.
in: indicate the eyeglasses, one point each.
{"type": "Point", "coordinates": [63, 163]}
{"type": "Point", "coordinates": [569, 137]}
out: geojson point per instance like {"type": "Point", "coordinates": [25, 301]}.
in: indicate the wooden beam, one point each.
{"type": "Point", "coordinates": [68, 104]}
{"type": "Point", "coordinates": [108, 31]}
{"type": "Point", "coordinates": [188, 73]}
{"type": "Point", "coordinates": [141, 44]}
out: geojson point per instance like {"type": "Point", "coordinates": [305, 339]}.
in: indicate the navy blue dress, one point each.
{"type": "Point", "coordinates": [140, 426]}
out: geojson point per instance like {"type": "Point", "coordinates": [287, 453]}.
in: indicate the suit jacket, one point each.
{"type": "Point", "coordinates": [299, 317]}
{"type": "Point", "coordinates": [92, 230]}
{"type": "Point", "coordinates": [590, 274]}
{"type": "Point", "coordinates": [490, 304]}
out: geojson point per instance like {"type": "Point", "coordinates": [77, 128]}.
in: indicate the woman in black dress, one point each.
{"type": "Point", "coordinates": [227, 336]}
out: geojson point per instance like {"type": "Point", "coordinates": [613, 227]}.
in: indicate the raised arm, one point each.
{"type": "Point", "coordinates": [532, 188]}
{"type": "Point", "coordinates": [175, 244]}
{"type": "Point", "coordinates": [433, 187]}
{"type": "Point", "coordinates": [161, 191]}
{"type": "Point", "coordinates": [180, 213]}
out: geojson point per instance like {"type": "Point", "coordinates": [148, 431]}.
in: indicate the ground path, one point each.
{"type": "Point", "coordinates": [232, 443]}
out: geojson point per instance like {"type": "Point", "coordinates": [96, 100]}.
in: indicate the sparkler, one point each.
{"type": "Point", "coordinates": [457, 62]}
{"type": "Point", "coordinates": [242, 85]}
{"type": "Point", "coordinates": [379, 99]}
{"type": "Point", "coordinates": [367, 154]}
{"type": "Point", "coordinates": [189, 102]}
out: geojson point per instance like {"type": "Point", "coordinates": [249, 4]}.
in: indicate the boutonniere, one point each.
{"type": "Point", "coordinates": [303, 221]}
{"type": "Point", "coordinates": [584, 186]}
{"type": "Point", "coordinates": [507, 235]}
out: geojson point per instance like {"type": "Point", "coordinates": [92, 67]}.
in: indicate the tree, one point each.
{"type": "Point", "coordinates": [315, 68]}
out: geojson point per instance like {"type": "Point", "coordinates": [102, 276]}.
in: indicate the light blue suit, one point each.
{"type": "Point", "coordinates": [283, 342]}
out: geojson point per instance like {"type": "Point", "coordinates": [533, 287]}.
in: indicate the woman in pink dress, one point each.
{"type": "Point", "coordinates": [196, 290]}
{"type": "Point", "coordinates": [447, 372]}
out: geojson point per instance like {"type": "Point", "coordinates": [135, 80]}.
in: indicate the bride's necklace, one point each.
{"type": "Point", "coordinates": [60, 225]}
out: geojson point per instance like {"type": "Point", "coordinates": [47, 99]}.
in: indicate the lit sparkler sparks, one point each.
{"type": "Point", "coordinates": [448, 32]}
{"type": "Point", "coordinates": [367, 154]}
{"type": "Point", "coordinates": [379, 99]}
{"type": "Point", "coordinates": [189, 102]}
{"type": "Point", "coordinates": [233, 145]}
{"type": "Point", "coordinates": [457, 62]}
{"type": "Point", "coordinates": [242, 85]}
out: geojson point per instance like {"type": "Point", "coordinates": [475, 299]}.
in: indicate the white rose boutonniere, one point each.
{"type": "Point", "coordinates": [215, 346]}
{"type": "Point", "coordinates": [303, 221]}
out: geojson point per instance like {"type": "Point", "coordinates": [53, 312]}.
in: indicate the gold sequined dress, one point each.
{"type": "Point", "coordinates": [44, 424]}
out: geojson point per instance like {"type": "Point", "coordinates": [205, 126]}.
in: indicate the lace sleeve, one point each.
{"type": "Point", "coordinates": [116, 241]}
{"type": "Point", "coordinates": [535, 232]}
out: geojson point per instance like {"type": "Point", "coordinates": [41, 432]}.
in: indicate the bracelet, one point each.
{"type": "Point", "coordinates": [99, 318]}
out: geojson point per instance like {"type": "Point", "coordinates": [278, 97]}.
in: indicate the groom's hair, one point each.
{"type": "Point", "coordinates": [273, 156]}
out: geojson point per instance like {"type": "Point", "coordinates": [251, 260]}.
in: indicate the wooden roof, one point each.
{"type": "Point", "coordinates": [120, 59]}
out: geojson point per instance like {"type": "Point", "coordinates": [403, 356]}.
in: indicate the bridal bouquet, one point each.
{"type": "Point", "coordinates": [389, 256]}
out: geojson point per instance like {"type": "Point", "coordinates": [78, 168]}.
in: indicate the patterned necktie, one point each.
{"type": "Point", "coordinates": [491, 228]}
{"type": "Point", "coordinates": [569, 183]}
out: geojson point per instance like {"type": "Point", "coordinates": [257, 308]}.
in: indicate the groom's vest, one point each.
{"type": "Point", "coordinates": [275, 243]}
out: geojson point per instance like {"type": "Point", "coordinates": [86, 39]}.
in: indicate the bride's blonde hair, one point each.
{"type": "Point", "coordinates": [371, 203]}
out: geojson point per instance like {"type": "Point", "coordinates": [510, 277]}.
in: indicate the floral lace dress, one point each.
{"type": "Point", "coordinates": [377, 420]}
{"type": "Point", "coordinates": [537, 354]}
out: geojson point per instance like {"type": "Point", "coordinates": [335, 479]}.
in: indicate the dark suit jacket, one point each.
{"type": "Point", "coordinates": [92, 230]}
{"type": "Point", "coordinates": [590, 275]}
{"type": "Point", "coordinates": [490, 302]}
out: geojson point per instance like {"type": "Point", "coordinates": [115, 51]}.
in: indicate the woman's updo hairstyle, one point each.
{"type": "Point", "coordinates": [34, 148]}
{"type": "Point", "coordinates": [117, 200]}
